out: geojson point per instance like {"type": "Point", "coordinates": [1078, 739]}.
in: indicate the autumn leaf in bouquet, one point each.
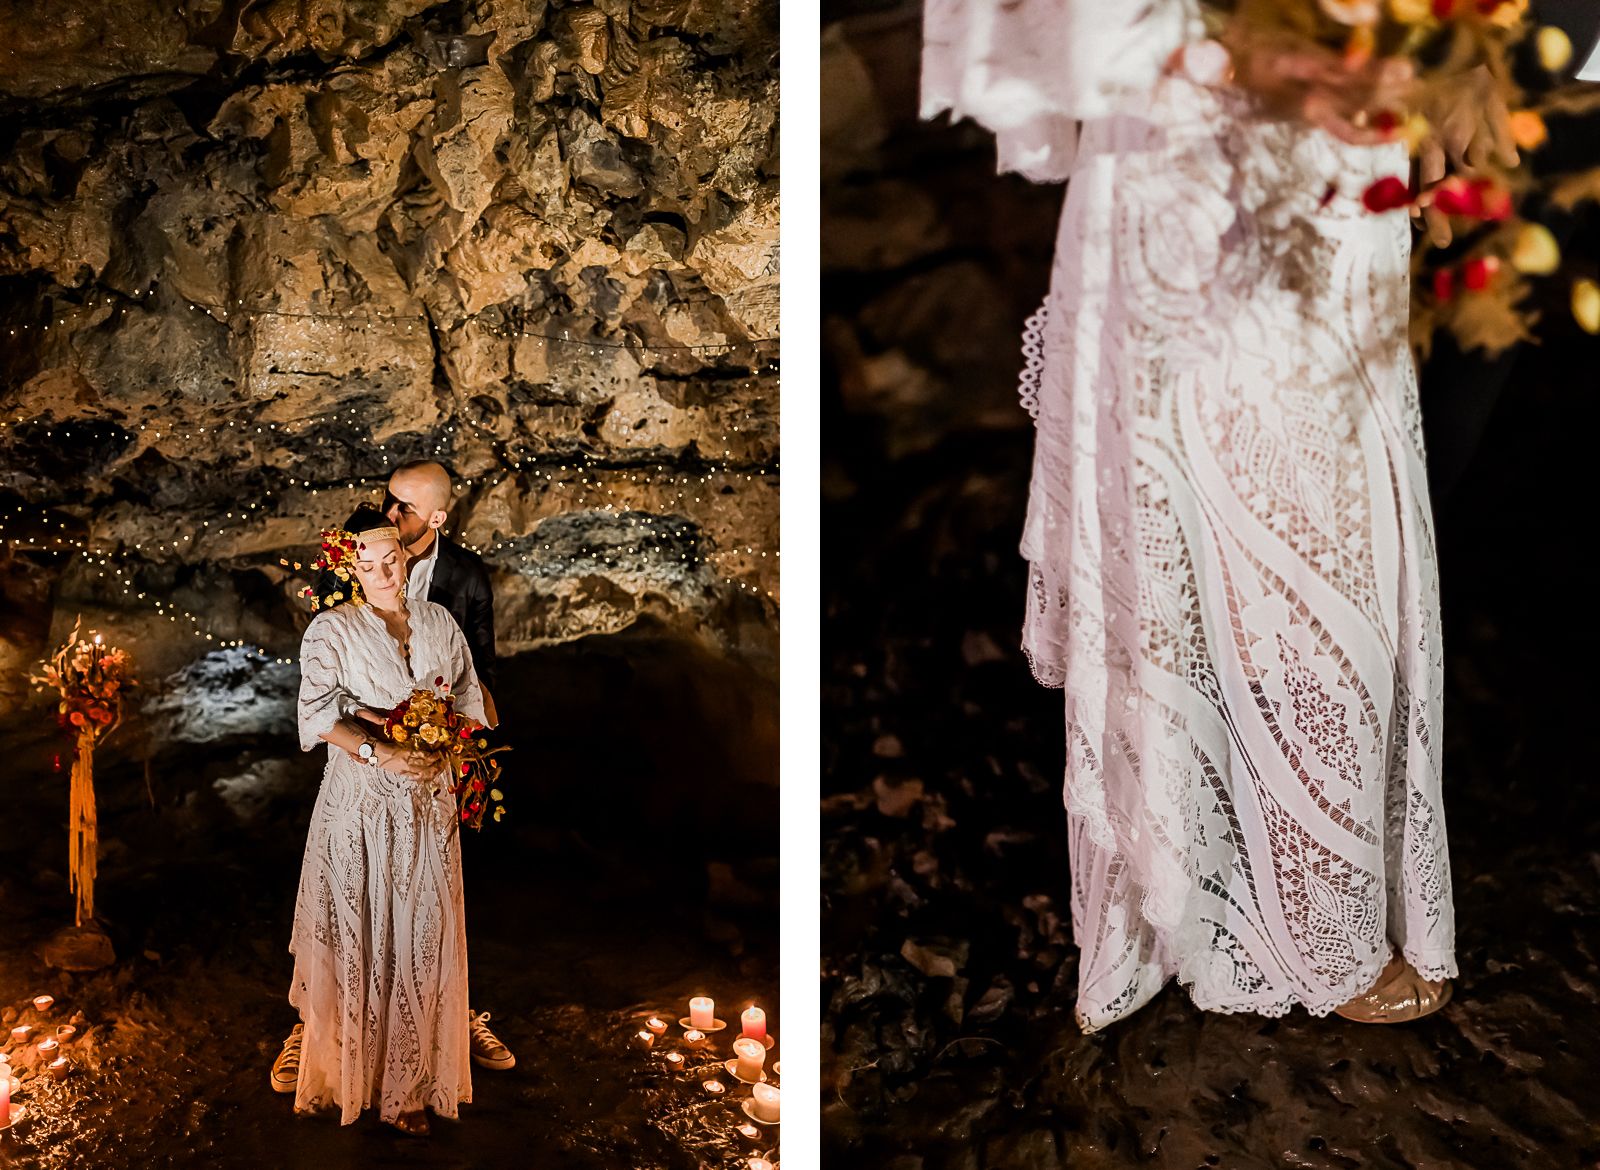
{"type": "Point", "coordinates": [1470, 87]}
{"type": "Point", "coordinates": [427, 724]}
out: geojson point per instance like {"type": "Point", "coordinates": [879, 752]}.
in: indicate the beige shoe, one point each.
{"type": "Point", "coordinates": [1400, 996]}
{"type": "Point", "coordinates": [486, 1047]}
{"type": "Point", "coordinates": [286, 1069]}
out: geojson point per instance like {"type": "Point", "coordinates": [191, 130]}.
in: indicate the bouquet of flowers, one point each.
{"type": "Point", "coordinates": [90, 678]}
{"type": "Point", "coordinates": [1460, 56]}
{"type": "Point", "coordinates": [428, 725]}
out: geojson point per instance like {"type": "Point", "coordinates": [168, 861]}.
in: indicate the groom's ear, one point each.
{"type": "Point", "coordinates": [437, 519]}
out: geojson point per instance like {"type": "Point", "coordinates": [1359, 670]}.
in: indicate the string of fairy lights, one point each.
{"type": "Point", "coordinates": [707, 474]}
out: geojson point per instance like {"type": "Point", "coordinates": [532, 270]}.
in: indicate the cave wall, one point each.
{"type": "Point", "coordinates": [253, 255]}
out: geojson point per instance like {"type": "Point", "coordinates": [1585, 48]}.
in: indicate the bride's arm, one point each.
{"type": "Point", "coordinates": [1030, 69]}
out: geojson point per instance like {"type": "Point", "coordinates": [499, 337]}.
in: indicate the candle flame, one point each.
{"type": "Point", "coordinates": [97, 639]}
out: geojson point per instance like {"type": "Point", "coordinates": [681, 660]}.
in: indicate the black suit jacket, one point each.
{"type": "Point", "coordinates": [1579, 19]}
{"type": "Point", "coordinates": [461, 584]}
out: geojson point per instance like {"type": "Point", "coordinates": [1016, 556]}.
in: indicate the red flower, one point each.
{"type": "Point", "coordinates": [1444, 283]}
{"type": "Point", "coordinates": [1386, 194]}
{"type": "Point", "coordinates": [466, 733]}
{"type": "Point", "coordinates": [1496, 202]}
{"type": "Point", "coordinates": [478, 786]}
{"type": "Point", "coordinates": [438, 679]}
{"type": "Point", "coordinates": [1443, 8]}
{"type": "Point", "coordinates": [1384, 121]}
{"type": "Point", "coordinates": [77, 719]}
{"type": "Point", "coordinates": [465, 768]}
{"type": "Point", "coordinates": [1479, 271]}
{"type": "Point", "coordinates": [465, 814]}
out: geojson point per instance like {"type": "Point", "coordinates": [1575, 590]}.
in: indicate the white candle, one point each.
{"type": "Point", "coordinates": [755, 1022]}
{"type": "Point", "coordinates": [5, 1095]}
{"type": "Point", "coordinates": [701, 1012]}
{"type": "Point", "coordinates": [749, 1055]}
{"type": "Point", "coordinates": [66, 1032]}
{"type": "Point", "coordinates": [43, 1002]}
{"type": "Point", "coordinates": [656, 1024]}
{"type": "Point", "coordinates": [759, 1164]}
{"type": "Point", "coordinates": [47, 1049]}
{"type": "Point", "coordinates": [58, 1068]}
{"type": "Point", "coordinates": [644, 1039]}
{"type": "Point", "coordinates": [19, 1034]}
{"type": "Point", "coordinates": [764, 1102]}
{"type": "Point", "coordinates": [775, 1065]}
{"type": "Point", "coordinates": [693, 1037]}
{"type": "Point", "coordinates": [714, 1087]}
{"type": "Point", "coordinates": [749, 1131]}
{"type": "Point", "coordinates": [675, 1059]}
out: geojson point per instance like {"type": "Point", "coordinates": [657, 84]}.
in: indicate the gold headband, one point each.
{"type": "Point", "coordinates": [373, 534]}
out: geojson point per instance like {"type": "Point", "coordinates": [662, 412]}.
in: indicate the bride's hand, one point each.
{"type": "Point", "coordinates": [1297, 78]}
{"type": "Point", "coordinates": [403, 763]}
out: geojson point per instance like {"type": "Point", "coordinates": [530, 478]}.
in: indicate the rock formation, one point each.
{"type": "Point", "coordinates": [254, 254]}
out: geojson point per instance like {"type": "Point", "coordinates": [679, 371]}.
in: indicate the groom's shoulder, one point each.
{"type": "Point", "coordinates": [468, 560]}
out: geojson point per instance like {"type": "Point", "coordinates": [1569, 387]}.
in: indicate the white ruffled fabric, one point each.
{"type": "Point", "coordinates": [1232, 567]}
{"type": "Point", "coordinates": [379, 938]}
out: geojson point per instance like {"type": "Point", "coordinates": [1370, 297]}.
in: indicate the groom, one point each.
{"type": "Point", "coordinates": [418, 504]}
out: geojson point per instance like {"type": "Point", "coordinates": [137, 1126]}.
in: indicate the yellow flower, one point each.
{"type": "Point", "coordinates": [1586, 305]}
{"type": "Point", "coordinates": [1411, 11]}
{"type": "Point", "coordinates": [1356, 12]}
{"type": "Point", "coordinates": [1555, 50]}
{"type": "Point", "coordinates": [411, 719]}
{"type": "Point", "coordinates": [1509, 14]}
{"type": "Point", "coordinates": [401, 735]}
{"type": "Point", "coordinates": [1536, 251]}
{"type": "Point", "coordinates": [429, 734]}
{"type": "Point", "coordinates": [496, 795]}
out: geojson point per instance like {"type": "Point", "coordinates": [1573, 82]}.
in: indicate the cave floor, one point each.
{"type": "Point", "coordinates": [950, 972]}
{"type": "Point", "coordinates": [570, 948]}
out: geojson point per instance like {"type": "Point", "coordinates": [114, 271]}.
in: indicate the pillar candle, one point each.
{"type": "Point", "coordinates": [764, 1102]}
{"type": "Point", "coordinates": [5, 1094]}
{"type": "Point", "coordinates": [749, 1055]}
{"type": "Point", "coordinates": [701, 1013]}
{"type": "Point", "coordinates": [755, 1022]}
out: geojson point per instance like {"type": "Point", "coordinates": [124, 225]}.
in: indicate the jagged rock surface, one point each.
{"type": "Point", "coordinates": [253, 256]}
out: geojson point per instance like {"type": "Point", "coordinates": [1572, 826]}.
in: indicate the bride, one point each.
{"type": "Point", "coordinates": [379, 938]}
{"type": "Point", "coordinates": [1232, 567]}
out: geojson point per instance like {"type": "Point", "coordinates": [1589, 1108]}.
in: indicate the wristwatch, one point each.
{"type": "Point", "coordinates": [368, 753]}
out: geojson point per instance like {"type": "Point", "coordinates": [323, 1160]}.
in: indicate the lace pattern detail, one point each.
{"type": "Point", "coordinates": [1232, 575]}
{"type": "Point", "coordinates": [379, 937]}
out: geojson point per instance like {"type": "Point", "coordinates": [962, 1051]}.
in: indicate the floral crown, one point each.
{"type": "Point", "coordinates": [339, 552]}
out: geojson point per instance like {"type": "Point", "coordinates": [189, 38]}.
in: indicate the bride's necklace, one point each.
{"type": "Point", "coordinates": [399, 628]}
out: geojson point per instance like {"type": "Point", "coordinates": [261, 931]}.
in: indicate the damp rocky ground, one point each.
{"type": "Point", "coordinates": [623, 882]}
{"type": "Point", "coordinates": [949, 971]}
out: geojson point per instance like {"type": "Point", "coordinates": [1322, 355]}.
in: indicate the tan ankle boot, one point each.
{"type": "Point", "coordinates": [1400, 996]}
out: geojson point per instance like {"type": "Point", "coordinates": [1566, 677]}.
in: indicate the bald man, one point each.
{"type": "Point", "coordinates": [418, 503]}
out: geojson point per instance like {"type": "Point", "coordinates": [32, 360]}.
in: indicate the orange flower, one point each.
{"type": "Point", "coordinates": [1528, 129]}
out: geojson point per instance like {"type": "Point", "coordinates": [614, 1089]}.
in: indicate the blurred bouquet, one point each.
{"type": "Point", "coordinates": [90, 678]}
{"type": "Point", "coordinates": [1470, 125]}
{"type": "Point", "coordinates": [428, 726]}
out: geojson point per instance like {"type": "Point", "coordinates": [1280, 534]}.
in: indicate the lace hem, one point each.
{"type": "Point", "coordinates": [1030, 381]}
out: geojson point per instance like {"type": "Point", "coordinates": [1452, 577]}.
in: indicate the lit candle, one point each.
{"type": "Point", "coordinates": [749, 1055]}
{"type": "Point", "coordinates": [5, 1096]}
{"type": "Point", "coordinates": [759, 1164]}
{"type": "Point", "coordinates": [692, 1036]}
{"type": "Point", "coordinates": [715, 1087]}
{"type": "Point", "coordinates": [19, 1034]}
{"type": "Point", "coordinates": [644, 1039]}
{"type": "Point", "coordinates": [656, 1024]}
{"type": "Point", "coordinates": [700, 1012]}
{"type": "Point", "coordinates": [58, 1068]}
{"type": "Point", "coordinates": [775, 1065]}
{"type": "Point", "coordinates": [43, 1002]}
{"type": "Point", "coordinates": [66, 1032]}
{"type": "Point", "coordinates": [755, 1022]}
{"type": "Point", "coordinates": [764, 1102]}
{"type": "Point", "coordinates": [750, 1131]}
{"type": "Point", "coordinates": [47, 1049]}
{"type": "Point", "coordinates": [675, 1059]}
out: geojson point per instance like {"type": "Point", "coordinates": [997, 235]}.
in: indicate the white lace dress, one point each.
{"type": "Point", "coordinates": [379, 939]}
{"type": "Point", "coordinates": [1232, 569]}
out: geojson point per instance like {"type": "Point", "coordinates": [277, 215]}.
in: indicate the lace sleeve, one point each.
{"type": "Point", "coordinates": [1029, 70]}
{"type": "Point", "coordinates": [464, 678]}
{"type": "Point", "coordinates": [324, 699]}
